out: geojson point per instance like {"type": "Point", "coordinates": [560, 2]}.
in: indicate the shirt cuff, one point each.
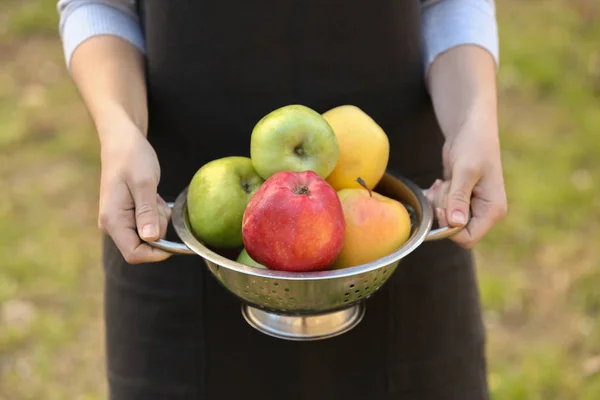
{"type": "Point", "coordinates": [88, 20]}
{"type": "Point", "coordinates": [450, 23]}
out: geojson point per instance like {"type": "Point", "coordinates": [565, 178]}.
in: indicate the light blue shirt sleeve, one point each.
{"type": "Point", "coordinates": [450, 23]}
{"type": "Point", "coordinates": [446, 24]}
{"type": "Point", "coordinates": [82, 19]}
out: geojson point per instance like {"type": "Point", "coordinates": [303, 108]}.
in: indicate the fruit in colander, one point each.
{"type": "Point", "coordinates": [244, 258]}
{"type": "Point", "coordinates": [376, 226]}
{"type": "Point", "coordinates": [293, 138]}
{"type": "Point", "coordinates": [294, 222]}
{"type": "Point", "coordinates": [364, 148]}
{"type": "Point", "coordinates": [218, 194]}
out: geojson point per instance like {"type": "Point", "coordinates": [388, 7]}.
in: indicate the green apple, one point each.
{"type": "Point", "coordinates": [217, 197]}
{"type": "Point", "coordinates": [244, 258]}
{"type": "Point", "coordinates": [293, 138]}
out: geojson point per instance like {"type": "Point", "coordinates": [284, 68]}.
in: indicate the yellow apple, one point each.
{"type": "Point", "coordinates": [364, 148]}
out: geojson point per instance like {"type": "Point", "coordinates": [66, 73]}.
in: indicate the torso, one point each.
{"type": "Point", "coordinates": [215, 67]}
{"type": "Point", "coordinates": [213, 76]}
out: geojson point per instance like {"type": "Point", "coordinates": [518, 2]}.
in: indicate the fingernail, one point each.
{"type": "Point", "coordinates": [439, 214]}
{"type": "Point", "coordinates": [149, 231]}
{"type": "Point", "coordinates": [458, 217]}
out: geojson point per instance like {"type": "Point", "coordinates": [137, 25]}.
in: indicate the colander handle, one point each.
{"type": "Point", "coordinates": [444, 232]}
{"type": "Point", "coordinates": [171, 247]}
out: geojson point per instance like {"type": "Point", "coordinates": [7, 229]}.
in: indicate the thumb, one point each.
{"type": "Point", "coordinates": [459, 197]}
{"type": "Point", "coordinates": [146, 211]}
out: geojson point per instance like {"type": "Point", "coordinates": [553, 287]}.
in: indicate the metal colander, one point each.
{"type": "Point", "coordinates": [309, 305]}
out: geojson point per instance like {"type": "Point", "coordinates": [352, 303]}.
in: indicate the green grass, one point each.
{"type": "Point", "coordinates": [538, 269]}
{"type": "Point", "coordinates": [50, 336]}
{"type": "Point", "coordinates": [31, 17]}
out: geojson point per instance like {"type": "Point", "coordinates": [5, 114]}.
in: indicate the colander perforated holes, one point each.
{"type": "Point", "coordinates": [286, 289]}
{"type": "Point", "coordinates": [347, 294]}
{"type": "Point", "coordinates": [351, 286]}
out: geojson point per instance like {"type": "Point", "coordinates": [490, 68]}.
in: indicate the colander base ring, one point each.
{"type": "Point", "coordinates": [305, 327]}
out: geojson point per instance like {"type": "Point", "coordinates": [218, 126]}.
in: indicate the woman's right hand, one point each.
{"type": "Point", "coordinates": [130, 208]}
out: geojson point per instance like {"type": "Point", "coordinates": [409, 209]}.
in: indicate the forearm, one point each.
{"type": "Point", "coordinates": [461, 57]}
{"type": "Point", "coordinates": [462, 83]}
{"type": "Point", "coordinates": [104, 46]}
{"type": "Point", "coordinates": [109, 75]}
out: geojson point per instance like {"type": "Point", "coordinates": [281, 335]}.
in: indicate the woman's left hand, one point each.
{"type": "Point", "coordinates": [473, 185]}
{"type": "Point", "coordinates": [462, 83]}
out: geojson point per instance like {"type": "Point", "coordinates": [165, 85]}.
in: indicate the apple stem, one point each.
{"type": "Point", "coordinates": [362, 183]}
{"type": "Point", "coordinates": [302, 190]}
{"type": "Point", "coordinates": [246, 187]}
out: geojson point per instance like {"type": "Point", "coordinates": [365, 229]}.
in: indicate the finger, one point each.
{"type": "Point", "coordinates": [146, 209]}
{"type": "Point", "coordinates": [433, 191]}
{"type": "Point", "coordinates": [122, 229]}
{"type": "Point", "coordinates": [486, 214]}
{"type": "Point", "coordinates": [438, 195]}
{"type": "Point", "coordinates": [164, 207]}
{"type": "Point", "coordinates": [133, 249]}
{"type": "Point", "coordinates": [440, 214]}
{"type": "Point", "coordinates": [164, 215]}
{"type": "Point", "coordinates": [458, 205]}
{"type": "Point", "coordinates": [472, 233]}
{"type": "Point", "coordinates": [118, 220]}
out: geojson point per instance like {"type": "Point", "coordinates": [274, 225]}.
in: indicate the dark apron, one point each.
{"type": "Point", "coordinates": [215, 67]}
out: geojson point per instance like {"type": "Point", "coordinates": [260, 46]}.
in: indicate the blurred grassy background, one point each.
{"type": "Point", "coordinates": [539, 269]}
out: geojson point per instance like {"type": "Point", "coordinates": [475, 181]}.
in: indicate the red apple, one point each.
{"type": "Point", "coordinates": [294, 222]}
